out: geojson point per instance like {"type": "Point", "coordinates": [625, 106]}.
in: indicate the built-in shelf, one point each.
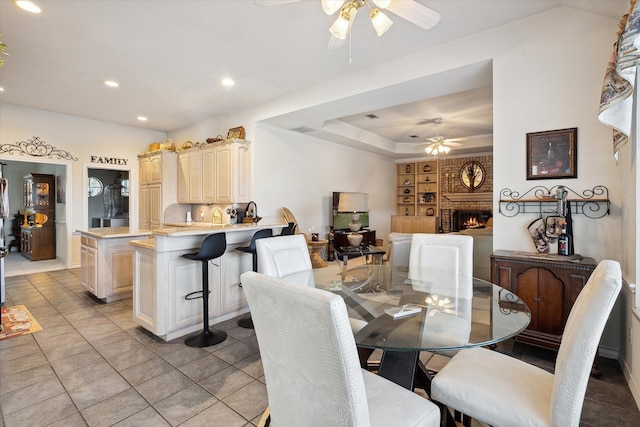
{"type": "Point", "coordinates": [469, 197]}
{"type": "Point", "coordinates": [593, 203]}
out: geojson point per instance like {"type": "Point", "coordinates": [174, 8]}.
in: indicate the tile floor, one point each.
{"type": "Point", "coordinates": [92, 365]}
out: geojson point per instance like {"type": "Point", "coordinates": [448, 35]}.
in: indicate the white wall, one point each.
{"type": "Point", "coordinates": [82, 138]}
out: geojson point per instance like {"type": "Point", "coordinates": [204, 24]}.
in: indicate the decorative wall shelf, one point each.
{"type": "Point", "coordinates": [469, 197]}
{"type": "Point", "coordinates": [593, 203]}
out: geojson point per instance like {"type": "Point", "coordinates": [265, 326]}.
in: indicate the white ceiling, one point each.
{"type": "Point", "coordinates": [170, 55]}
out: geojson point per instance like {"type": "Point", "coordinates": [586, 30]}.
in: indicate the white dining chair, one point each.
{"type": "Point", "coordinates": [311, 367]}
{"type": "Point", "coordinates": [502, 391]}
{"type": "Point", "coordinates": [288, 257]}
{"type": "Point", "coordinates": [399, 249]}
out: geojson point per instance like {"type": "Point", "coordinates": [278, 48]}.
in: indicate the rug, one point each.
{"type": "Point", "coordinates": [17, 321]}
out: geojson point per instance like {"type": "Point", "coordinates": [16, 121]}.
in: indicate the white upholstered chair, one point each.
{"type": "Point", "coordinates": [442, 252]}
{"type": "Point", "coordinates": [311, 365]}
{"type": "Point", "coordinates": [399, 249]}
{"type": "Point", "coordinates": [502, 391]}
{"type": "Point", "coordinates": [288, 257]}
{"type": "Point", "coordinates": [445, 261]}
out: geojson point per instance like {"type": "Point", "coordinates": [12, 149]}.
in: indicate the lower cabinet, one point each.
{"type": "Point", "coordinates": [549, 287]}
{"type": "Point", "coordinates": [163, 279]}
{"type": "Point", "coordinates": [38, 243]}
{"type": "Point", "coordinates": [106, 267]}
{"type": "Point", "coordinates": [413, 224]}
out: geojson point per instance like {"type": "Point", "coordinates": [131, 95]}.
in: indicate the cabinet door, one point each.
{"type": "Point", "coordinates": [224, 171]}
{"type": "Point", "coordinates": [155, 206]}
{"type": "Point", "coordinates": [121, 262]}
{"type": "Point", "coordinates": [195, 176]}
{"type": "Point", "coordinates": [144, 170]}
{"type": "Point", "coordinates": [89, 268]}
{"type": "Point", "coordinates": [145, 219]}
{"type": "Point", "coordinates": [424, 224]}
{"type": "Point", "coordinates": [209, 176]}
{"type": "Point", "coordinates": [233, 264]}
{"type": "Point", "coordinates": [543, 293]}
{"type": "Point", "coordinates": [183, 178]}
{"type": "Point", "coordinates": [155, 169]}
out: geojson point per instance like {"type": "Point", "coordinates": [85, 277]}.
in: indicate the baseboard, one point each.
{"type": "Point", "coordinates": [608, 353]}
{"type": "Point", "coordinates": [633, 387]}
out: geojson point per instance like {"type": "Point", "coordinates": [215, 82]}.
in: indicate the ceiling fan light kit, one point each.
{"type": "Point", "coordinates": [348, 8]}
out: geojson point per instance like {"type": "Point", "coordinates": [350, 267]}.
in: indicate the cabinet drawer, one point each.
{"type": "Point", "coordinates": [88, 241]}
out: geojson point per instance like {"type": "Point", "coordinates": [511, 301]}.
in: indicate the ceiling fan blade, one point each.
{"type": "Point", "coordinates": [452, 143]}
{"type": "Point", "coordinates": [414, 12]}
{"type": "Point", "coordinates": [268, 3]}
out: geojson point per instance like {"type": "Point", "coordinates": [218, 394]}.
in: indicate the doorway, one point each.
{"type": "Point", "coordinates": [107, 198]}
{"type": "Point", "coordinates": [14, 169]}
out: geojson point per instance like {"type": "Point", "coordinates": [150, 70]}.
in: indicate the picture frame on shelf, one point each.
{"type": "Point", "coordinates": [552, 154]}
{"type": "Point", "coordinates": [236, 133]}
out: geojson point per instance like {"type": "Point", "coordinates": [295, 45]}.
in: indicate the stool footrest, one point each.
{"type": "Point", "coordinates": [192, 295]}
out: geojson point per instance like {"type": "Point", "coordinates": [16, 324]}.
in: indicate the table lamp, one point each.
{"type": "Point", "coordinates": [354, 203]}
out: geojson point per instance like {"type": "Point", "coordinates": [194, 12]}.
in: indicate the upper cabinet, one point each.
{"type": "Point", "coordinates": [215, 173]}
{"type": "Point", "coordinates": [39, 192]}
{"type": "Point", "coordinates": [158, 190]}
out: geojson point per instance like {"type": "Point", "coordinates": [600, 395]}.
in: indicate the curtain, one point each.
{"type": "Point", "coordinates": [616, 102]}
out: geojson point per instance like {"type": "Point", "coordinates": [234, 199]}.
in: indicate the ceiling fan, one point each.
{"type": "Point", "coordinates": [410, 10]}
{"type": "Point", "coordinates": [439, 145]}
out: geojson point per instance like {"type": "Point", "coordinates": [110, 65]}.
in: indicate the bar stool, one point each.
{"type": "Point", "coordinates": [246, 322]}
{"type": "Point", "coordinates": [213, 246]}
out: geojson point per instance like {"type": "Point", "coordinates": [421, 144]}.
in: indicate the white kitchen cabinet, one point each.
{"type": "Point", "coordinates": [158, 186]}
{"type": "Point", "coordinates": [233, 172]}
{"type": "Point", "coordinates": [163, 277]}
{"type": "Point", "coordinates": [106, 262]}
{"type": "Point", "coordinates": [216, 173]}
{"type": "Point", "coordinates": [190, 177]}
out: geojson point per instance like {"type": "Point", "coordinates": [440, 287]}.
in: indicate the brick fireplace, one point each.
{"type": "Point", "coordinates": [457, 198]}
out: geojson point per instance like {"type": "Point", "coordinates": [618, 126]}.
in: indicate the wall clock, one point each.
{"type": "Point", "coordinates": [472, 175]}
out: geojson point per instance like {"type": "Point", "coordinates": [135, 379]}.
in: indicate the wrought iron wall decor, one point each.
{"type": "Point", "coordinates": [593, 203]}
{"type": "Point", "coordinates": [37, 148]}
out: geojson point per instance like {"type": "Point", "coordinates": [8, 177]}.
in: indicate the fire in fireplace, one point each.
{"type": "Point", "coordinates": [464, 219]}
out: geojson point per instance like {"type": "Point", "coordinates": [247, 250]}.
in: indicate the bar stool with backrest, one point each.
{"type": "Point", "coordinates": [213, 246]}
{"type": "Point", "coordinates": [246, 322]}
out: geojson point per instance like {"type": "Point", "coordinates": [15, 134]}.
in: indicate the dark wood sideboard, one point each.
{"type": "Point", "coordinates": [548, 285]}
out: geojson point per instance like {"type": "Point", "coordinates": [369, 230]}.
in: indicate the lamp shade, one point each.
{"type": "Point", "coordinates": [353, 202]}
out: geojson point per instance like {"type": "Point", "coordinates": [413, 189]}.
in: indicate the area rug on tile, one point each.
{"type": "Point", "coordinates": [17, 321]}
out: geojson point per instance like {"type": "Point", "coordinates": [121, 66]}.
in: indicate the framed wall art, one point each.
{"type": "Point", "coordinates": [552, 154]}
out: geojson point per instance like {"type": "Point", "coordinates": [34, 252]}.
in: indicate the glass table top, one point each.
{"type": "Point", "coordinates": [425, 310]}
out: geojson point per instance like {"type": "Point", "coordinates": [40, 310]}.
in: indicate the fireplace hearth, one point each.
{"type": "Point", "coordinates": [465, 219]}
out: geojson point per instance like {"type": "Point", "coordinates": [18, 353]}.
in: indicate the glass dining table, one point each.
{"type": "Point", "coordinates": [408, 311]}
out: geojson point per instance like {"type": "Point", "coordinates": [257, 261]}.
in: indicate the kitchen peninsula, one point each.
{"type": "Point", "coordinates": [162, 277]}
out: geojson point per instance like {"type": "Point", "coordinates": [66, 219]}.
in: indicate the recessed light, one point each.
{"type": "Point", "coordinates": [1, 89]}
{"type": "Point", "coordinates": [111, 83]}
{"type": "Point", "coordinates": [28, 6]}
{"type": "Point", "coordinates": [228, 82]}
{"type": "Point", "coordinates": [142, 118]}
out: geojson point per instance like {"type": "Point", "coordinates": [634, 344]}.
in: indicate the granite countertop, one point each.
{"type": "Point", "coordinates": [115, 232]}
{"type": "Point", "coordinates": [196, 228]}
